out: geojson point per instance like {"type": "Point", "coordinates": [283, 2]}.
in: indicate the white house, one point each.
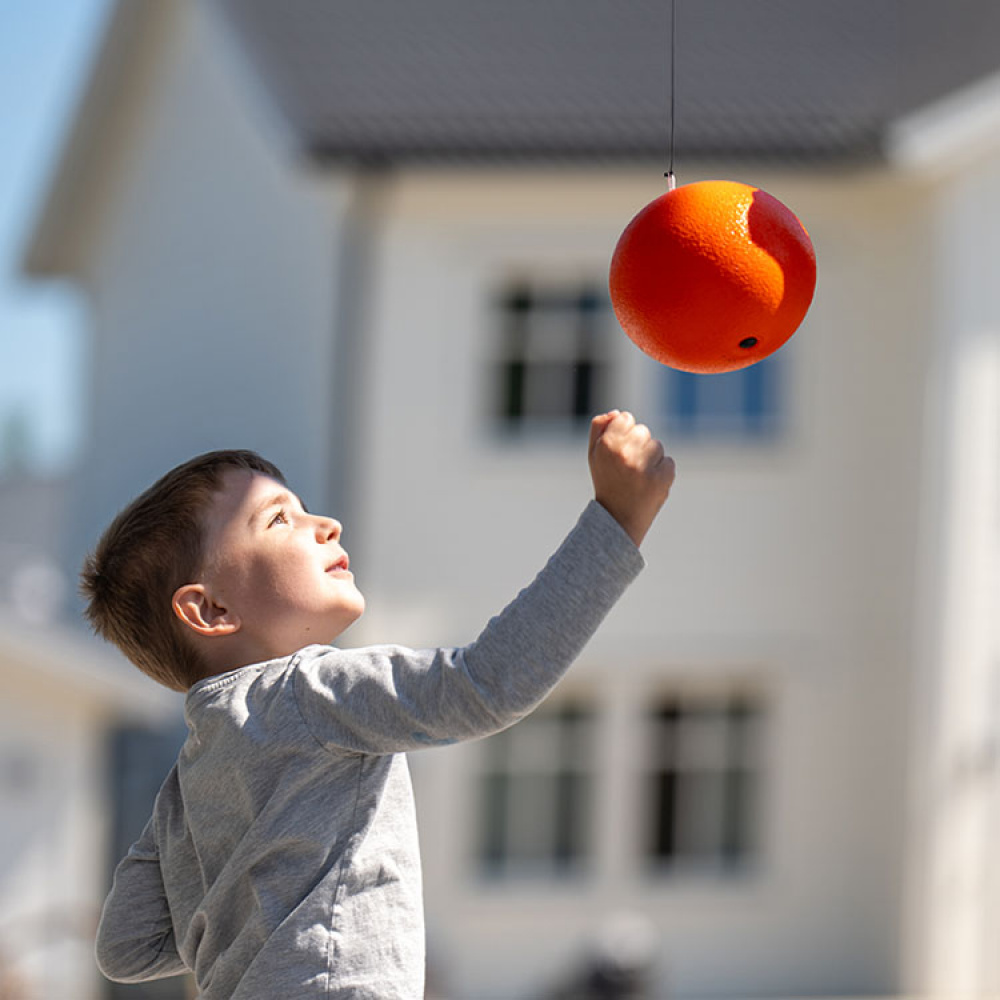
{"type": "Point", "coordinates": [371, 241]}
{"type": "Point", "coordinates": [61, 699]}
{"type": "Point", "coordinates": [64, 702]}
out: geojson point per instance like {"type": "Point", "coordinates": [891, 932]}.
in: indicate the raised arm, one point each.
{"type": "Point", "coordinates": [386, 699]}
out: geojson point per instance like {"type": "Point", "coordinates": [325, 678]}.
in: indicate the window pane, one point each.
{"type": "Point", "coordinates": [705, 779]}
{"type": "Point", "coordinates": [550, 354]}
{"type": "Point", "coordinates": [552, 337]}
{"type": "Point", "coordinates": [512, 391]}
{"type": "Point", "coordinates": [664, 815]}
{"type": "Point", "coordinates": [583, 388]}
{"type": "Point", "coordinates": [494, 810]}
{"type": "Point", "coordinates": [576, 749]}
{"type": "Point", "coordinates": [571, 829]}
{"type": "Point", "coordinates": [720, 400]}
{"type": "Point", "coordinates": [743, 403]}
{"type": "Point", "coordinates": [549, 390]}
{"type": "Point", "coordinates": [702, 739]}
{"type": "Point", "coordinates": [681, 401]}
{"type": "Point", "coordinates": [738, 821]}
{"type": "Point", "coordinates": [700, 814]}
{"type": "Point", "coordinates": [531, 817]}
{"type": "Point", "coordinates": [744, 735]}
{"type": "Point", "coordinates": [536, 793]}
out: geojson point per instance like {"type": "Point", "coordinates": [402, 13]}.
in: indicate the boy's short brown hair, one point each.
{"type": "Point", "coordinates": [150, 549]}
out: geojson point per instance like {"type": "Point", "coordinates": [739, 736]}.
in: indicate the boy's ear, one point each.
{"type": "Point", "coordinates": [194, 606]}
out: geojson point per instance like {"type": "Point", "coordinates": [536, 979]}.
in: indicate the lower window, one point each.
{"type": "Point", "coordinates": [704, 784]}
{"type": "Point", "coordinates": [747, 404]}
{"type": "Point", "coordinates": [536, 794]}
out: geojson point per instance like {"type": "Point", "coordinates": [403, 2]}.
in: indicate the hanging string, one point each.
{"type": "Point", "coordinates": [671, 180]}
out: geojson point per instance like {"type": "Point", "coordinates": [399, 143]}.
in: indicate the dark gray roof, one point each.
{"type": "Point", "coordinates": [806, 80]}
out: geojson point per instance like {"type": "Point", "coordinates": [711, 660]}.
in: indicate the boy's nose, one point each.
{"type": "Point", "coordinates": [328, 529]}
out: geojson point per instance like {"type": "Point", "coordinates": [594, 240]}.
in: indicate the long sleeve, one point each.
{"type": "Point", "coordinates": [135, 939]}
{"type": "Point", "coordinates": [387, 699]}
{"type": "Point", "coordinates": [286, 835]}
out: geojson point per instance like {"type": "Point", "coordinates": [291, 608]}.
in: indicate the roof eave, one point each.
{"type": "Point", "coordinates": [83, 668]}
{"type": "Point", "coordinates": [110, 98]}
{"type": "Point", "coordinates": [941, 138]}
{"type": "Point", "coordinates": [865, 153]}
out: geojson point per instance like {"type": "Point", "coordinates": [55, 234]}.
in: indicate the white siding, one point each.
{"type": "Point", "coordinates": [52, 838]}
{"type": "Point", "coordinates": [790, 563]}
{"type": "Point", "coordinates": [847, 569]}
{"type": "Point", "coordinates": [954, 904]}
{"type": "Point", "coordinates": [211, 287]}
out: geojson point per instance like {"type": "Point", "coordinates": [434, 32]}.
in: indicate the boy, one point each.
{"type": "Point", "coordinates": [281, 859]}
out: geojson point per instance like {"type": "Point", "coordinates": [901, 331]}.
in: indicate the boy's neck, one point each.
{"type": "Point", "coordinates": [226, 655]}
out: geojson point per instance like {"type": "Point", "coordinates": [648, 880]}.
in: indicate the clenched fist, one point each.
{"type": "Point", "coordinates": [632, 475]}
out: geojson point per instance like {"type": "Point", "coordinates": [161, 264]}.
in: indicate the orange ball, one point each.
{"type": "Point", "coordinates": [712, 276]}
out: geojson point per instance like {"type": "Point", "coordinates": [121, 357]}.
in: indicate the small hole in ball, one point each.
{"type": "Point", "coordinates": [747, 342]}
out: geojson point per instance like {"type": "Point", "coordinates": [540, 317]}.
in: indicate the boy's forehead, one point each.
{"type": "Point", "coordinates": [241, 493]}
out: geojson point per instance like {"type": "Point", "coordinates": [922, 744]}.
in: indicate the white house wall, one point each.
{"type": "Point", "coordinates": [795, 567]}
{"type": "Point", "coordinates": [790, 565]}
{"type": "Point", "coordinates": [52, 838]}
{"type": "Point", "coordinates": [210, 283]}
{"type": "Point", "coordinates": [955, 879]}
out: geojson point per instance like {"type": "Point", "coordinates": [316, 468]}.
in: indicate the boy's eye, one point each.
{"type": "Point", "coordinates": [279, 518]}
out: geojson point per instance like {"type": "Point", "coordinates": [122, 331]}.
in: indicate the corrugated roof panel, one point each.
{"type": "Point", "coordinates": [583, 78]}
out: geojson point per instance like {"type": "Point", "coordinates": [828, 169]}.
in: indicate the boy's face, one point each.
{"type": "Point", "coordinates": [279, 569]}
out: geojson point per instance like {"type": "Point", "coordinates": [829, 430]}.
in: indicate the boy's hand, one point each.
{"type": "Point", "coordinates": [632, 475]}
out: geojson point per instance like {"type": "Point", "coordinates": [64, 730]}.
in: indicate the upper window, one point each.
{"type": "Point", "coordinates": [704, 782]}
{"type": "Point", "coordinates": [747, 403]}
{"type": "Point", "coordinates": [550, 364]}
{"type": "Point", "coordinates": [536, 794]}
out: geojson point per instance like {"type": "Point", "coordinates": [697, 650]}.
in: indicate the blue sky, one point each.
{"type": "Point", "coordinates": [45, 50]}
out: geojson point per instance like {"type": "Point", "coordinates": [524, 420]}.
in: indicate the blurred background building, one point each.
{"type": "Point", "coordinates": [371, 241]}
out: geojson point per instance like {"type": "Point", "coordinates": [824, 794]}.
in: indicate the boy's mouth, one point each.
{"type": "Point", "coordinates": [340, 566]}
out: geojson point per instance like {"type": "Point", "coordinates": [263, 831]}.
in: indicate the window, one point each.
{"type": "Point", "coordinates": [536, 794]}
{"type": "Point", "coordinates": [745, 403]}
{"type": "Point", "coordinates": [550, 366]}
{"type": "Point", "coordinates": [705, 782]}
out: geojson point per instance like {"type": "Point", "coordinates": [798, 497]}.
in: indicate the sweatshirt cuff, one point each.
{"type": "Point", "coordinates": [613, 538]}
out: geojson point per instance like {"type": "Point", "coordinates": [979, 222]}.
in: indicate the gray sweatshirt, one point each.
{"type": "Point", "coordinates": [281, 859]}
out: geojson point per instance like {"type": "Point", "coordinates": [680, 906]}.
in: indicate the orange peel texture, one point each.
{"type": "Point", "coordinates": [712, 276]}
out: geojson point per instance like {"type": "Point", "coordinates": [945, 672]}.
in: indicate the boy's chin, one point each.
{"type": "Point", "coordinates": [356, 610]}
{"type": "Point", "coordinates": [345, 620]}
